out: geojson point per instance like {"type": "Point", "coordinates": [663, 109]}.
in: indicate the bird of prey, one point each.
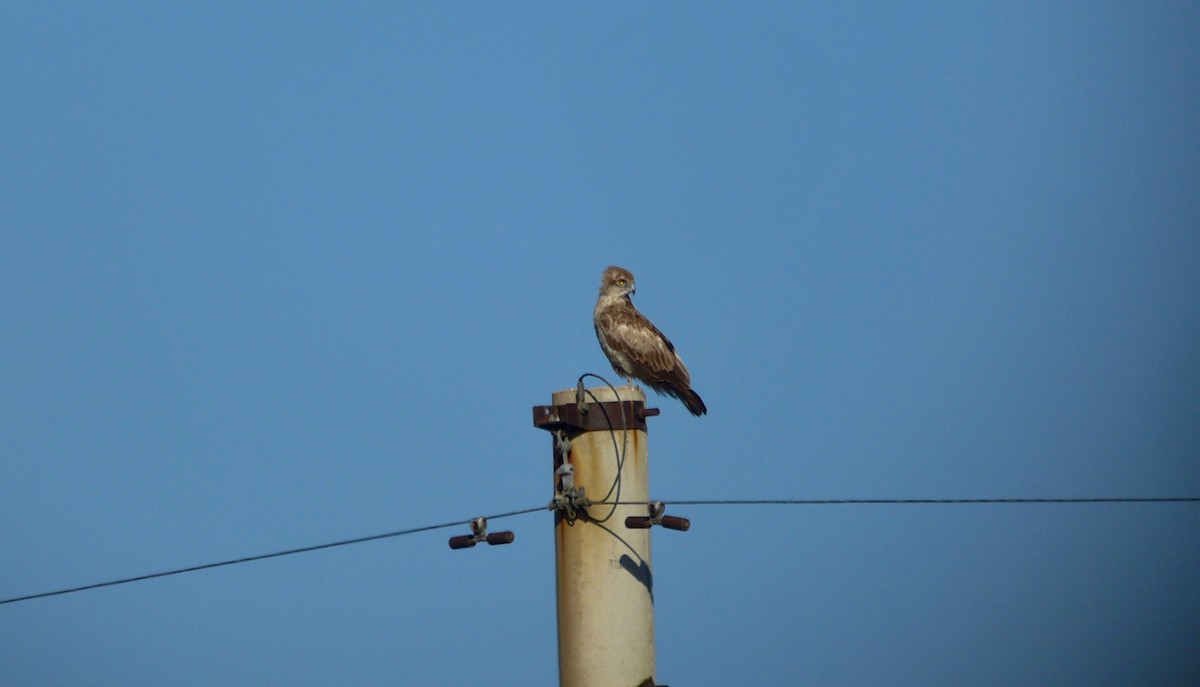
{"type": "Point", "coordinates": [635, 347]}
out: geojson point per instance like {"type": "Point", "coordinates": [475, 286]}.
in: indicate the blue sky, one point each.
{"type": "Point", "coordinates": [274, 275]}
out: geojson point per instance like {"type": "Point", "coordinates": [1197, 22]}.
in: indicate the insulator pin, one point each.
{"type": "Point", "coordinates": [656, 517]}
{"type": "Point", "coordinates": [478, 534]}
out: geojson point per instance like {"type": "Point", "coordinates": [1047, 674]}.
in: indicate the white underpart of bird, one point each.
{"type": "Point", "coordinates": [635, 347]}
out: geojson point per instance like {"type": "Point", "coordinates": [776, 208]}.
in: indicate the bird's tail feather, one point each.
{"type": "Point", "coordinates": [692, 400]}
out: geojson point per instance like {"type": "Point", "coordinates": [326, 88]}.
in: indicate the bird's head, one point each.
{"type": "Point", "coordinates": [617, 281]}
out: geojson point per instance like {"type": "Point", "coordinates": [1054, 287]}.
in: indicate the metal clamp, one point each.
{"type": "Point", "coordinates": [580, 399]}
{"type": "Point", "coordinates": [656, 517]}
{"type": "Point", "coordinates": [479, 533]}
{"type": "Point", "coordinates": [569, 498]}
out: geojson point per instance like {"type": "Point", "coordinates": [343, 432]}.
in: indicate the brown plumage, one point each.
{"type": "Point", "coordinates": [635, 347]}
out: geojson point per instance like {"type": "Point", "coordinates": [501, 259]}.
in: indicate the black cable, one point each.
{"type": "Point", "coordinates": [260, 557]}
{"type": "Point", "coordinates": [620, 452]}
{"type": "Point", "coordinates": [685, 502]}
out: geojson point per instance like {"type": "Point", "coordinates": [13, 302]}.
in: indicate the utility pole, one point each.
{"type": "Point", "coordinates": [604, 579]}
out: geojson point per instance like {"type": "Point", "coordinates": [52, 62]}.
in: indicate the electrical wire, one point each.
{"type": "Point", "coordinates": [620, 452]}
{"type": "Point", "coordinates": [614, 504]}
{"type": "Point", "coordinates": [265, 556]}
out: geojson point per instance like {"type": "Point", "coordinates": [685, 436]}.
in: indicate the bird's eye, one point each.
{"type": "Point", "coordinates": [620, 282]}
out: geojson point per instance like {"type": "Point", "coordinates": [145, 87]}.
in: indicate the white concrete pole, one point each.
{"type": "Point", "coordinates": [605, 585]}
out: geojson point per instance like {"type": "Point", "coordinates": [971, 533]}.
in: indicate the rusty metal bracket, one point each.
{"type": "Point", "coordinates": [593, 417]}
{"type": "Point", "coordinates": [478, 534]}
